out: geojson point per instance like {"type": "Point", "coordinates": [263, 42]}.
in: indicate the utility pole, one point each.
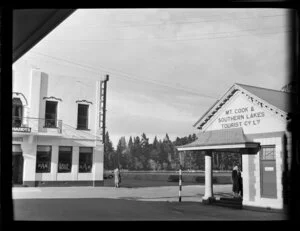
{"type": "Point", "coordinates": [102, 116]}
{"type": "Point", "coordinates": [103, 86]}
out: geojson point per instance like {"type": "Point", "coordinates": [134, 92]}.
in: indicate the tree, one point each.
{"type": "Point", "coordinates": [136, 153]}
{"type": "Point", "coordinates": [108, 153]}
{"type": "Point", "coordinates": [128, 153]}
{"type": "Point", "coordinates": [140, 154]}
{"type": "Point", "coordinates": [130, 143]}
{"type": "Point", "coordinates": [152, 164]}
{"type": "Point", "coordinates": [144, 141]}
{"type": "Point", "coordinates": [155, 149]}
{"type": "Point", "coordinates": [161, 154]}
{"type": "Point", "coordinates": [194, 137]}
{"type": "Point", "coordinates": [121, 153]}
{"type": "Point", "coordinates": [145, 151]}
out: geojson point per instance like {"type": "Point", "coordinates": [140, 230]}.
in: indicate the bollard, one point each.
{"type": "Point", "coordinates": [180, 181]}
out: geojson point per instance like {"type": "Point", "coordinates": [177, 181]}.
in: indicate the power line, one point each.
{"type": "Point", "coordinates": [177, 37]}
{"type": "Point", "coordinates": [179, 40]}
{"type": "Point", "coordinates": [128, 76]}
{"type": "Point", "coordinates": [180, 22]}
{"type": "Point", "coordinates": [197, 22]}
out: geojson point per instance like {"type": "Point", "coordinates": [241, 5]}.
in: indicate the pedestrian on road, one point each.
{"type": "Point", "coordinates": [235, 181]}
{"type": "Point", "coordinates": [240, 180]}
{"type": "Point", "coordinates": [117, 177]}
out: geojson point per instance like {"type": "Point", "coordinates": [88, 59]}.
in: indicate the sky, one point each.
{"type": "Point", "coordinates": [167, 66]}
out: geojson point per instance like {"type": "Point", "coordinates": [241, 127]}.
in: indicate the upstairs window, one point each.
{"type": "Point", "coordinates": [51, 114]}
{"type": "Point", "coordinates": [17, 112]}
{"type": "Point", "coordinates": [82, 119]}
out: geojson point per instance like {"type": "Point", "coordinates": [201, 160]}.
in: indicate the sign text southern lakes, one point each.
{"type": "Point", "coordinates": [245, 116]}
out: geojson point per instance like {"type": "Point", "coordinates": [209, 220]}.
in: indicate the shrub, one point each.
{"type": "Point", "coordinates": [201, 179]}
{"type": "Point", "coordinates": [174, 178]}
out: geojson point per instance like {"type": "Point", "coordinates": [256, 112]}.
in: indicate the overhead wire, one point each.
{"type": "Point", "coordinates": [128, 76]}
{"type": "Point", "coordinates": [178, 23]}
{"type": "Point", "coordinates": [185, 38]}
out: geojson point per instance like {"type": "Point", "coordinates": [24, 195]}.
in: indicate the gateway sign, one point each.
{"type": "Point", "coordinates": [21, 129]}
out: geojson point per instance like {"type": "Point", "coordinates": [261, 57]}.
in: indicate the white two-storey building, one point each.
{"type": "Point", "coordinates": [56, 129]}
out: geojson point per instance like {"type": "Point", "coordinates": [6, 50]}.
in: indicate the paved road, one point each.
{"type": "Point", "coordinates": [109, 203]}
{"type": "Point", "coordinates": [92, 209]}
{"type": "Point", "coordinates": [163, 193]}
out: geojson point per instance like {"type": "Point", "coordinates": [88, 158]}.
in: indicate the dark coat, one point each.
{"type": "Point", "coordinates": [240, 180]}
{"type": "Point", "coordinates": [235, 181]}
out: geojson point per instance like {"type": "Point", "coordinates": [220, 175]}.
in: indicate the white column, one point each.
{"type": "Point", "coordinates": [29, 154]}
{"type": "Point", "coordinates": [246, 182]}
{"type": "Point", "coordinates": [54, 162]}
{"type": "Point", "coordinates": [75, 163]}
{"type": "Point", "coordinates": [98, 162]}
{"type": "Point", "coordinates": [25, 115]}
{"type": "Point", "coordinates": [208, 176]}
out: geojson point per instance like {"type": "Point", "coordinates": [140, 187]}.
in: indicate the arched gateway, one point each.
{"type": "Point", "coordinates": [251, 121]}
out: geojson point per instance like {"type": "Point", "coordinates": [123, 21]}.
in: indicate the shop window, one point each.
{"type": "Point", "coordinates": [43, 159]}
{"type": "Point", "coordinates": [51, 114]}
{"type": "Point", "coordinates": [82, 120]}
{"type": "Point", "coordinates": [85, 159]}
{"type": "Point", "coordinates": [17, 112]}
{"type": "Point", "coordinates": [64, 159]}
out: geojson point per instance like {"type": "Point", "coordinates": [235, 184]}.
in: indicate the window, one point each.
{"type": "Point", "coordinates": [17, 112]}
{"type": "Point", "coordinates": [267, 153]}
{"type": "Point", "coordinates": [50, 114]}
{"type": "Point", "coordinates": [43, 159]}
{"type": "Point", "coordinates": [64, 159]}
{"type": "Point", "coordinates": [82, 121]}
{"type": "Point", "coordinates": [85, 159]}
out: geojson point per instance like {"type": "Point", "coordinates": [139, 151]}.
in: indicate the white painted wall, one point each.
{"type": "Point", "coordinates": [70, 90]}
{"type": "Point", "coordinates": [266, 202]}
{"type": "Point", "coordinates": [21, 77]}
{"type": "Point", "coordinates": [29, 145]}
{"type": "Point", "coordinates": [36, 84]}
{"type": "Point", "coordinates": [269, 122]}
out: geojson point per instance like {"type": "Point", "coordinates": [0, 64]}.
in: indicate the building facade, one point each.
{"type": "Point", "coordinates": [253, 122]}
{"type": "Point", "coordinates": [56, 134]}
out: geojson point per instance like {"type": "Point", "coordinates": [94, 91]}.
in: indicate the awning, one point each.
{"type": "Point", "coordinates": [231, 140]}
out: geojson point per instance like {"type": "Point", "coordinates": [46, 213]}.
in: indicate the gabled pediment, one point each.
{"type": "Point", "coordinates": [238, 105]}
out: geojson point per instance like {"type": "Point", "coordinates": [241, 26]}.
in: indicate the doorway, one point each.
{"type": "Point", "coordinates": [268, 172]}
{"type": "Point", "coordinates": [17, 165]}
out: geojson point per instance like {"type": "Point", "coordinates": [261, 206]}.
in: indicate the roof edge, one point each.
{"type": "Point", "coordinates": [218, 102]}
{"type": "Point", "coordinates": [228, 95]}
